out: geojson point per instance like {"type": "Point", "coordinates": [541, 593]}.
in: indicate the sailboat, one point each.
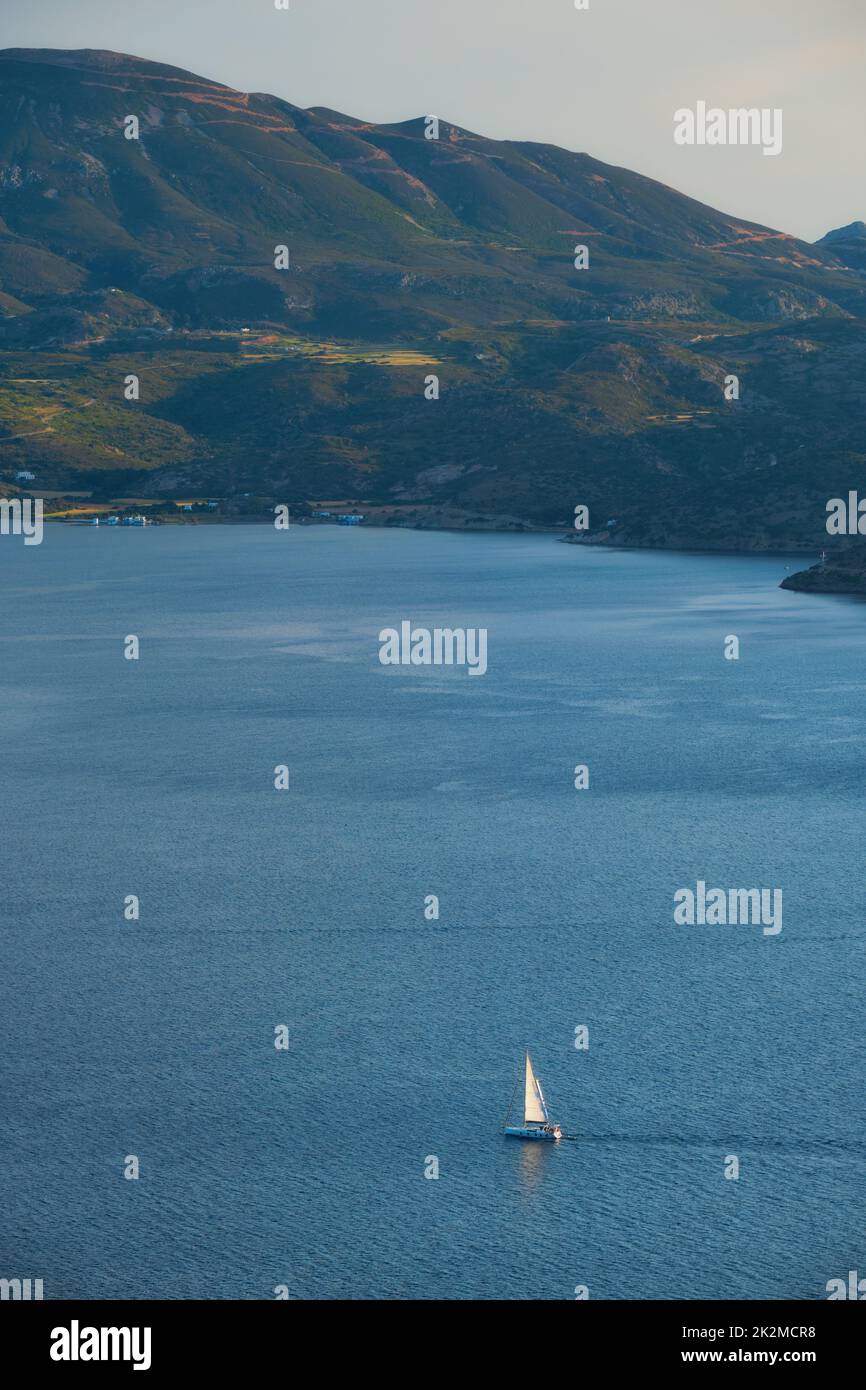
{"type": "Point", "coordinates": [536, 1121]}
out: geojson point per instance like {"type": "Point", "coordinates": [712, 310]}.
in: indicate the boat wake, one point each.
{"type": "Point", "coordinates": [702, 1141]}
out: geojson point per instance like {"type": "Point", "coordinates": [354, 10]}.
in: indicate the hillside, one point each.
{"type": "Point", "coordinates": [848, 243]}
{"type": "Point", "coordinates": [408, 256]}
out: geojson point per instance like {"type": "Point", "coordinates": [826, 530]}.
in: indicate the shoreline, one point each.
{"type": "Point", "coordinates": [555, 532]}
{"type": "Point", "coordinates": [837, 576]}
{"type": "Point", "coordinates": [455, 524]}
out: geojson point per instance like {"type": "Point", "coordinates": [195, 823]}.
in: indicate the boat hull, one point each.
{"type": "Point", "coordinates": [530, 1132]}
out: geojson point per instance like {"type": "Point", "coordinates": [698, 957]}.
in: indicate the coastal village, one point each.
{"type": "Point", "coordinates": [78, 508]}
{"type": "Point", "coordinates": [141, 519]}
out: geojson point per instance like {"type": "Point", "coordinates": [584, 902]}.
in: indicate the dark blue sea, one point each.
{"type": "Point", "coordinates": [305, 1167]}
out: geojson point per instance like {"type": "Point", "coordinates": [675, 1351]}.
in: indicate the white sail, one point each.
{"type": "Point", "coordinates": [534, 1108]}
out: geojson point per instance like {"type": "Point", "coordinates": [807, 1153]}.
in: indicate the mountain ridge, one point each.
{"type": "Point", "coordinates": [407, 255]}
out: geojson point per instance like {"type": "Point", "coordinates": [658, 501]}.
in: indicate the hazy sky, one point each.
{"type": "Point", "coordinates": [605, 81]}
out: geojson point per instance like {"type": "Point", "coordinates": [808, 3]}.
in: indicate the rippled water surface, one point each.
{"type": "Point", "coordinates": [306, 907]}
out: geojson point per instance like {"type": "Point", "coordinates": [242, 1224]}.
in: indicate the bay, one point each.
{"type": "Point", "coordinates": [306, 1168]}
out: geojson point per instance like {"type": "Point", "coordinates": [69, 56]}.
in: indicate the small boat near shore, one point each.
{"type": "Point", "coordinates": [536, 1120]}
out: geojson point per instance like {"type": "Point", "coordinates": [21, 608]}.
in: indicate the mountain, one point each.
{"type": "Point", "coordinates": [854, 231]}
{"type": "Point", "coordinates": [848, 243]}
{"type": "Point", "coordinates": [408, 257]}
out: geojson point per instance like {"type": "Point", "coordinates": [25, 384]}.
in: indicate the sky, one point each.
{"type": "Point", "coordinates": [605, 81]}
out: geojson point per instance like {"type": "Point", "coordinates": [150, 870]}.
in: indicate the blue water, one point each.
{"type": "Point", "coordinates": [306, 907]}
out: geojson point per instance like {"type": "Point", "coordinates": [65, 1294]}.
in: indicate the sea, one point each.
{"type": "Point", "coordinates": [261, 1027]}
